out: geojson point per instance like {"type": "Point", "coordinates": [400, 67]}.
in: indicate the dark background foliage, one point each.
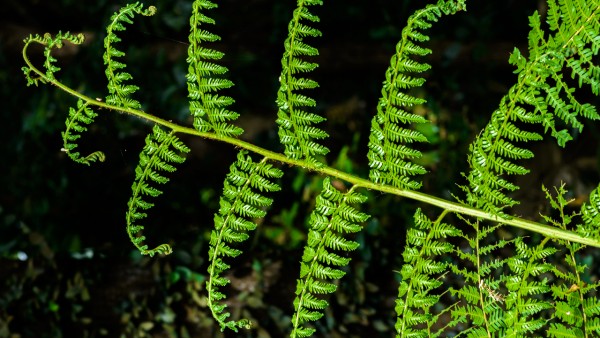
{"type": "Point", "coordinates": [67, 268]}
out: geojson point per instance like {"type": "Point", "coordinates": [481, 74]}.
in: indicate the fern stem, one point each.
{"type": "Point", "coordinates": [481, 275]}
{"type": "Point", "coordinates": [326, 170]}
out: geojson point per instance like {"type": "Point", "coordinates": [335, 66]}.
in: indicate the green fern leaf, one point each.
{"type": "Point", "coordinates": [316, 271]}
{"type": "Point", "coordinates": [420, 276]}
{"type": "Point", "coordinates": [242, 203]}
{"type": "Point", "coordinates": [162, 150]}
{"type": "Point", "coordinates": [388, 156]}
{"type": "Point", "coordinates": [525, 302]}
{"type": "Point", "coordinates": [541, 88]}
{"type": "Point", "coordinates": [118, 89]}
{"type": "Point", "coordinates": [296, 126]}
{"type": "Point", "coordinates": [75, 125]}
{"type": "Point", "coordinates": [576, 311]}
{"type": "Point", "coordinates": [210, 110]}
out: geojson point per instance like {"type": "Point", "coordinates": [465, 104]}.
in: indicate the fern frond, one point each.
{"type": "Point", "coordinates": [209, 109]}
{"type": "Point", "coordinates": [332, 218]}
{"type": "Point", "coordinates": [389, 157]}
{"type": "Point", "coordinates": [297, 131]}
{"type": "Point", "coordinates": [162, 151]}
{"type": "Point", "coordinates": [242, 202]}
{"type": "Point", "coordinates": [118, 89]}
{"type": "Point", "coordinates": [75, 125]}
{"type": "Point", "coordinates": [421, 273]}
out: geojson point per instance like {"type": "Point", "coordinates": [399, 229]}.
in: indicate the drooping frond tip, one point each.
{"type": "Point", "coordinates": [162, 152]}
{"type": "Point", "coordinates": [390, 155]}
{"type": "Point", "coordinates": [243, 202]}
{"type": "Point", "coordinates": [334, 218]}
{"type": "Point", "coordinates": [75, 125]}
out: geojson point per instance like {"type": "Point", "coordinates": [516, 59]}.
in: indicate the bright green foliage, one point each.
{"type": "Point", "coordinates": [389, 152]}
{"type": "Point", "coordinates": [119, 91]}
{"type": "Point", "coordinates": [49, 44]}
{"type": "Point", "coordinates": [504, 285]}
{"type": "Point", "coordinates": [207, 107]}
{"type": "Point", "coordinates": [480, 301]}
{"type": "Point", "coordinates": [590, 213]}
{"type": "Point", "coordinates": [163, 150]}
{"type": "Point", "coordinates": [576, 306]}
{"type": "Point", "coordinates": [333, 217]}
{"type": "Point", "coordinates": [296, 126]}
{"type": "Point", "coordinates": [518, 302]}
{"type": "Point", "coordinates": [422, 274]}
{"type": "Point", "coordinates": [242, 202]}
{"type": "Point", "coordinates": [75, 125]}
{"type": "Point", "coordinates": [540, 96]}
{"type": "Point", "coordinates": [78, 118]}
{"type": "Point", "coordinates": [526, 288]}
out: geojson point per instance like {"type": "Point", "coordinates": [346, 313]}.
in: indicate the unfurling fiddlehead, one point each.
{"type": "Point", "coordinates": [296, 126]}
{"type": "Point", "coordinates": [77, 118]}
{"type": "Point", "coordinates": [49, 44]}
{"type": "Point", "coordinates": [333, 218]}
{"type": "Point", "coordinates": [162, 151]}
{"type": "Point", "coordinates": [241, 204]}
{"type": "Point", "coordinates": [207, 107]}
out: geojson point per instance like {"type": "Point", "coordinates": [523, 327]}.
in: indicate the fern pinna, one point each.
{"type": "Point", "coordinates": [389, 153]}
{"type": "Point", "coordinates": [296, 126]}
{"type": "Point", "coordinates": [119, 91]}
{"type": "Point", "coordinates": [390, 163]}
{"type": "Point", "coordinates": [540, 96]}
{"type": "Point", "coordinates": [207, 107]}
{"type": "Point", "coordinates": [75, 125]}
{"type": "Point", "coordinates": [333, 217]}
{"type": "Point", "coordinates": [500, 286]}
{"type": "Point", "coordinates": [163, 150]}
{"type": "Point", "coordinates": [49, 43]}
{"type": "Point", "coordinates": [421, 276]}
{"type": "Point", "coordinates": [242, 202]}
